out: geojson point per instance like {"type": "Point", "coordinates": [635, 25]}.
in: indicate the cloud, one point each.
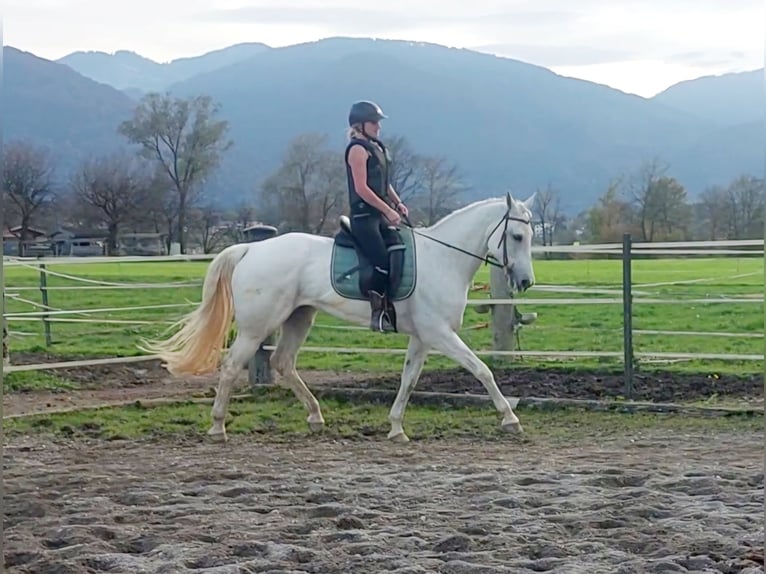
{"type": "Point", "coordinates": [695, 36]}
{"type": "Point", "coordinates": [341, 18]}
{"type": "Point", "coordinates": [543, 32]}
{"type": "Point", "coordinates": [301, 15]}
{"type": "Point", "coordinates": [711, 58]}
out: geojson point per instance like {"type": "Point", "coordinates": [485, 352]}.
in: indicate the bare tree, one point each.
{"type": "Point", "coordinates": [308, 187]}
{"type": "Point", "coordinates": [212, 228]}
{"type": "Point", "coordinates": [185, 138]}
{"type": "Point", "coordinates": [641, 190]}
{"type": "Point", "coordinates": [442, 186]}
{"type": "Point", "coordinates": [745, 199]}
{"type": "Point", "coordinates": [546, 211]}
{"type": "Point", "coordinates": [27, 183]}
{"type": "Point", "coordinates": [405, 169]}
{"type": "Point", "coordinates": [713, 210]}
{"type": "Point", "coordinates": [116, 186]}
{"type": "Point", "coordinates": [244, 214]}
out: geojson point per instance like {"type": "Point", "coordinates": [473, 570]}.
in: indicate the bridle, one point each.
{"type": "Point", "coordinates": [488, 259]}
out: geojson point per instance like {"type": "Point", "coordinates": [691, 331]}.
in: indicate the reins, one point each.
{"type": "Point", "coordinates": [488, 259]}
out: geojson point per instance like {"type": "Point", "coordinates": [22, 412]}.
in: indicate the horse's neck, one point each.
{"type": "Point", "coordinates": [467, 229]}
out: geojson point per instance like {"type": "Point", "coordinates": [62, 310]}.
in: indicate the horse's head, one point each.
{"type": "Point", "coordinates": [511, 243]}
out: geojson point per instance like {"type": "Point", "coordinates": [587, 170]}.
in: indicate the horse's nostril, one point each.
{"type": "Point", "coordinates": [525, 283]}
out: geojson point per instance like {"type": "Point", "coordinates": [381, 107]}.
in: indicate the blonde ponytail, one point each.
{"type": "Point", "coordinates": [355, 132]}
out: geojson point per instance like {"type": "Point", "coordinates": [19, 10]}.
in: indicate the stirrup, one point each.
{"type": "Point", "coordinates": [380, 322]}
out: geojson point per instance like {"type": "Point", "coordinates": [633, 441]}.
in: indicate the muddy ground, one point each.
{"type": "Point", "coordinates": [652, 504]}
{"type": "Point", "coordinates": [104, 384]}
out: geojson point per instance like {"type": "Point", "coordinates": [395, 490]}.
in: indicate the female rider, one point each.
{"type": "Point", "coordinates": [375, 207]}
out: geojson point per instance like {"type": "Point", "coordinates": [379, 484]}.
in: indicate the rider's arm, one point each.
{"type": "Point", "coordinates": [357, 159]}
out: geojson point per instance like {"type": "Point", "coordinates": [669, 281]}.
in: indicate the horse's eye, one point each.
{"type": "Point", "coordinates": [518, 236]}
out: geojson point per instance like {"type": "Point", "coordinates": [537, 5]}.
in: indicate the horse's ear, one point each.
{"type": "Point", "coordinates": [509, 199]}
{"type": "Point", "coordinates": [530, 201]}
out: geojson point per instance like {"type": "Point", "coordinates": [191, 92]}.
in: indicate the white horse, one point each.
{"type": "Point", "coordinates": [284, 280]}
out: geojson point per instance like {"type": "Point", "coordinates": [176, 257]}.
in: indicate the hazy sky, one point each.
{"type": "Point", "coordinates": [639, 46]}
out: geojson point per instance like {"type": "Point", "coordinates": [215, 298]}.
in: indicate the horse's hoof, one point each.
{"type": "Point", "coordinates": [217, 436]}
{"type": "Point", "coordinates": [514, 428]}
{"type": "Point", "coordinates": [400, 438]}
{"type": "Point", "coordinates": [316, 427]}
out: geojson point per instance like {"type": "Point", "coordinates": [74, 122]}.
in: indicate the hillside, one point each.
{"type": "Point", "coordinates": [52, 105]}
{"type": "Point", "coordinates": [508, 124]}
{"type": "Point", "coordinates": [714, 159]}
{"type": "Point", "coordinates": [727, 100]}
{"type": "Point", "coordinates": [129, 71]}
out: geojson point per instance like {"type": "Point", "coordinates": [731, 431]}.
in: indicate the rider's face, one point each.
{"type": "Point", "coordinates": [372, 128]}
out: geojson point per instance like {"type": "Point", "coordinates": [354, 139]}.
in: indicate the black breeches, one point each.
{"type": "Point", "coordinates": [374, 235]}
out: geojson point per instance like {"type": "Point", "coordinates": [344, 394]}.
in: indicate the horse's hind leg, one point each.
{"type": "Point", "coordinates": [294, 332]}
{"type": "Point", "coordinates": [243, 347]}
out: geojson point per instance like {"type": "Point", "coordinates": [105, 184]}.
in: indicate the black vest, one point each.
{"type": "Point", "coordinates": [377, 176]}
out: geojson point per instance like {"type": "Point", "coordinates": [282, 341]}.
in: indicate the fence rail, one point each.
{"type": "Point", "coordinates": [498, 300]}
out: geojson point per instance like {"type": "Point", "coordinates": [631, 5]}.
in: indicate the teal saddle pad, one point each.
{"type": "Point", "coordinates": [345, 279]}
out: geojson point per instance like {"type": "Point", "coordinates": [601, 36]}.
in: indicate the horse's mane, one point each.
{"type": "Point", "coordinates": [450, 216]}
{"type": "Point", "coordinates": [456, 213]}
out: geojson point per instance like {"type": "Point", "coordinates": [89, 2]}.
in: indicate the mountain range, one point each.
{"type": "Point", "coordinates": [507, 124]}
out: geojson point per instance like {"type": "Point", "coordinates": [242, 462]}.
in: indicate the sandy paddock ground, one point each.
{"type": "Point", "coordinates": [630, 504]}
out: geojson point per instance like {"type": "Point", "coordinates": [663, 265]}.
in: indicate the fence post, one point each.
{"type": "Point", "coordinates": [502, 315]}
{"type": "Point", "coordinates": [505, 319]}
{"type": "Point", "coordinates": [44, 291]}
{"type": "Point", "coordinates": [6, 351]}
{"type": "Point", "coordinates": [627, 314]}
{"type": "Point", "coordinates": [259, 371]}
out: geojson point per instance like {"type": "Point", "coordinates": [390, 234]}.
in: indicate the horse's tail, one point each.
{"type": "Point", "coordinates": [196, 348]}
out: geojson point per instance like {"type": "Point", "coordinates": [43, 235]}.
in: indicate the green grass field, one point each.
{"type": "Point", "coordinates": [574, 327]}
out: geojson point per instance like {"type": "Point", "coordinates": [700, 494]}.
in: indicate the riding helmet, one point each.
{"type": "Point", "coordinates": [365, 111]}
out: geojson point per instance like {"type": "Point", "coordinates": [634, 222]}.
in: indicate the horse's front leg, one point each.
{"type": "Point", "coordinates": [413, 365]}
{"type": "Point", "coordinates": [453, 346]}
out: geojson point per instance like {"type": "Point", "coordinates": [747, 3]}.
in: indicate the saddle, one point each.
{"type": "Point", "coordinates": [349, 259]}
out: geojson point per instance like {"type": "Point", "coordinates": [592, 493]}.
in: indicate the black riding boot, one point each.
{"type": "Point", "coordinates": [379, 320]}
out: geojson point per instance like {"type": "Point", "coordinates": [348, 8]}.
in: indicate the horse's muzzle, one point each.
{"type": "Point", "coordinates": [517, 283]}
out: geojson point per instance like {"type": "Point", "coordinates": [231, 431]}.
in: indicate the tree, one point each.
{"type": "Point", "coordinates": [745, 200]}
{"type": "Point", "coordinates": [404, 172]}
{"type": "Point", "coordinates": [546, 211]}
{"type": "Point", "coordinates": [641, 191]}
{"type": "Point", "coordinates": [185, 138]}
{"type": "Point", "coordinates": [609, 219]}
{"type": "Point", "coordinates": [713, 211]}
{"type": "Point", "coordinates": [660, 201]}
{"type": "Point", "coordinates": [441, 186]}
{"type": "Point", "coordinates": [116, 186]}
{"type": "Point", "coordinates": [212, 229]}
{"type": "Point", "coordinates": [244, 214]}
{"type": "Point", "coordinates": [27, 183]}
{"type": "Point", "coordinates": [308, 187]}
{"type": "Point", "coordinates": [671, 208]}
